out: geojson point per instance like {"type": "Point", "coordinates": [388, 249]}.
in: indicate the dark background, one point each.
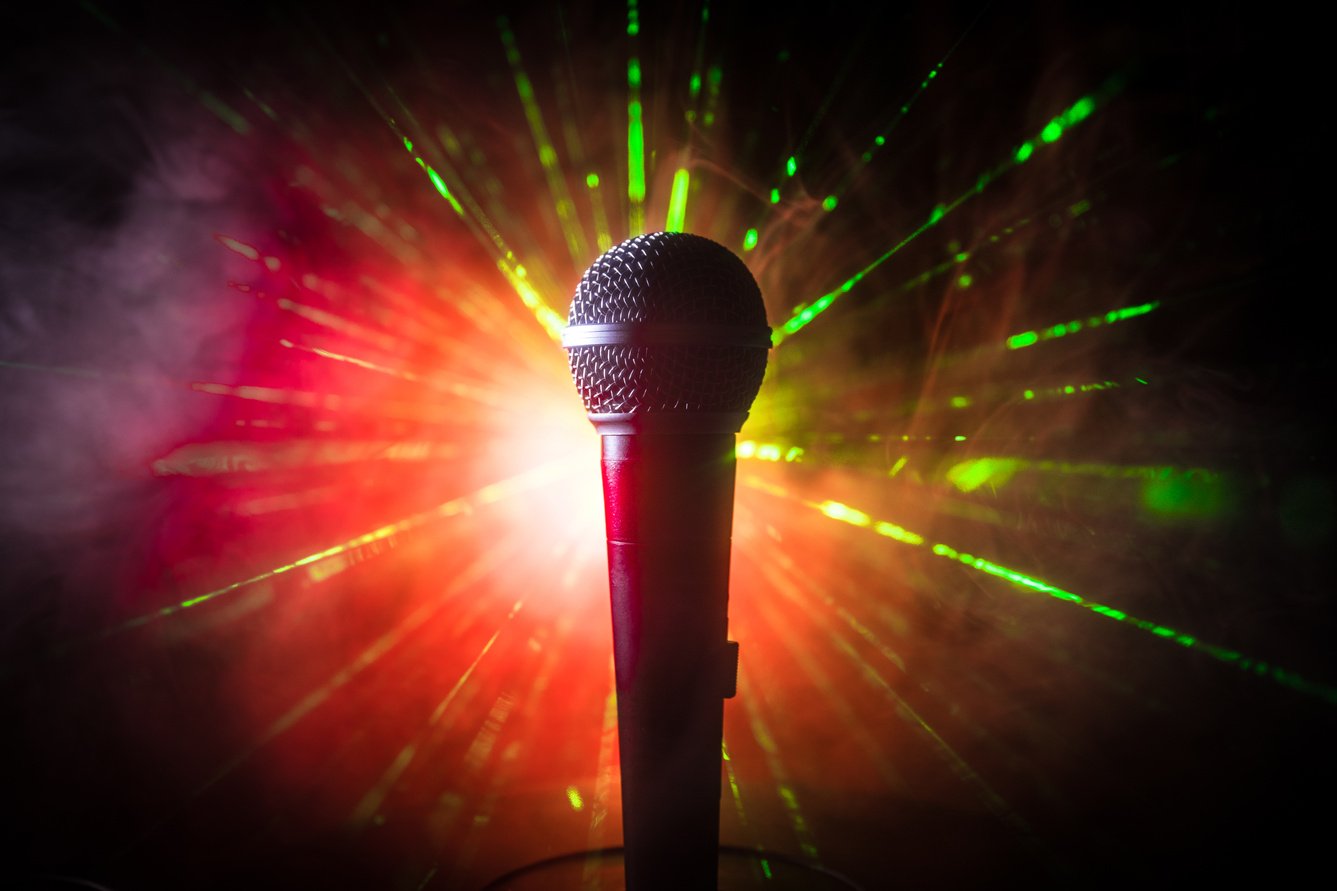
{"type": "Point", "coordinates": [903, 718]}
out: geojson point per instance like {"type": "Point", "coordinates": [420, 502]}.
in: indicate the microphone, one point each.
{"type": "Point", "coordinates": [667, 341]}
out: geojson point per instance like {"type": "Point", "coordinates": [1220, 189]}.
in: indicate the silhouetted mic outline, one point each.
{"type": "Point", "coordinates": [667, 341]}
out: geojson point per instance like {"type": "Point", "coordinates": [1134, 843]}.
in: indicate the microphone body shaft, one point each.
{"type": "Point", "coordinates": [668, 502]}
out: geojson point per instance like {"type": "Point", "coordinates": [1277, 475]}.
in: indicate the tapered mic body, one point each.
{"type": "Point", "coordinates": [667, 340]}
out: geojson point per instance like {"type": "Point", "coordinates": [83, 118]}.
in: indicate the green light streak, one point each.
{"type": "Point", "coordinates": [768, 451]}
{"type": "Point", "coordinates": [735, 792]}
{"type": "Point", "coordinates": [804, 313]}
{"type": "Point", "coordinates": [1165, 489]}
{"type": "Point", "coordinates": [785, 576]}
{"type": "Point", "coordinates": [464, 505]}
{"type": "Point", "coordinates": [602, 237]}
{"type": "Point", "coordinates": [1025, 339]}
{"type": "Point", "coordinates": [224, 112]}
{"type": "Point", "coordinates": [513, 271]}
{"type": "Point", "coordinates": [695, 81]}
{"type": "Point", "coordinates": [440, 186]}
{"type": "Point", "coordinates": [435, 178]}
{"type": "Point", "coordinates": [714, 77]}
{"type": "Point", "coordinates": [750, 240]}
{"type": "Point", "coordinates": [677, 211]}
{"type": "Point", "coordinates": [881, 138]}
{"type": "Point", "coordinates": [771, 752]}
{"type": "Point", "coordinates": [479, 759]}
{"type": "Point", "coordinates": [829, 203]}
{"type": "Point", "coordinates": [443, 384]}
{"type": "Point", "coordinates": [476, 220]}
{"type": "Point", "coordinates": [635, 134]}
{"type": "Point", "coordinates": [372, 801]}
{"type": "Point", "coordinates": [891, 530]}
{"type": "Point", "coordinates": [635, 164]}
{"type": "Point", "coordinates": [223, 457]}
{"type": "Point", "coordinates": [789, 580]}
{"type": "Point", "coordinates": [372, 654]}
{"type": "Point", "coordinates": [976, 472]}
{"type": "Point", "coordinates": [775, 196]}
{"type": "Point", "coordinates": [1063, 329]}
{"type": "Point", "coordinates": [791, 166]}
{"type": "Point", "coordinates": [566, 209]}
{"type": "Point", "coordinates": [1080, 111]}
{"type": "Point", "coordinates": [573, 796]}
{"type": "Point", "coordinates": [846, 514]}
{"type": "Point", "coordinates": [551, 321]}
{"type": "Point", "coordinates": [1189, 494]}
{"type": "Point", "coordinates": [605, 776]}
{"type": "Point", "coordinates": [633, 19]}
{"type": "Point", "coordinates": [1070, 390]}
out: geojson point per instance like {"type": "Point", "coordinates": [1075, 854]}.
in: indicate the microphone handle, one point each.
{"type": "Point", "coordinates": [668, 502]}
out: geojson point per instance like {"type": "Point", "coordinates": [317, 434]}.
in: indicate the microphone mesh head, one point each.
{"type": "Point", "coordinates": [670, 278]}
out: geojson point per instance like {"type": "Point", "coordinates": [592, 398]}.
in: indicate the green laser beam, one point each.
{"type": "Point", "coordinates": [734, 790]}
{"type": "Point", "coordinates": [605, 774]}
{"type": "Point", "coordinates": [476, 220]}
{"type": "Point", "coordinates": [375, 797]}
{"type": "Point", "coordinates": [846, 514]}
{"type": "Point", "coordinates": [771, 752]}
{"type": "Point", "coordinates": [714, 77]}
{"type": "Point", "coordinates": [996, 804]}
{"type": "Point", "coordinates": [635, 129]}
{"type": "Point", "coordinates": [677, 212]}
{"type": "Point", "coordinates": [784, 577]}
{"type": "Point", "coordinates": [566, 208]}
{"type": "Point", "coordinates": [224, 112]}
{"type": "Point", "coordinates": [694, 81]}
{"type": "Point", "coordinates": [477, 571]}
{"type": "Point", "coordinates": [804, 314]}
{"type": "Point", "coordinates": [602, 236]}
{"type": "Point", "coordinates": [636, 164]}
{"type": "Point", "coordinates": [1062, 329]}
{"type": "Point", "coordinates": [463, 505]}
{"type": "Point", "coordinates": [482, 566]}
{"type": "Point", "coordinates": [444, 385]}
{"type": "Point", "coordinates": [997, 471]}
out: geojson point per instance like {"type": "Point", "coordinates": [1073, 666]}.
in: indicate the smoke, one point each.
{"type": "Point", "coordinates": [113, 298]}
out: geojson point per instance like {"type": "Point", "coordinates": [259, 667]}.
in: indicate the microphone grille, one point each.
{"type": "Point", "coordinates": [668, 277]}
{"type": "Point", "coordinates": [678, 279]}
{"type": "Point", "coordinates": [634, 379]}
